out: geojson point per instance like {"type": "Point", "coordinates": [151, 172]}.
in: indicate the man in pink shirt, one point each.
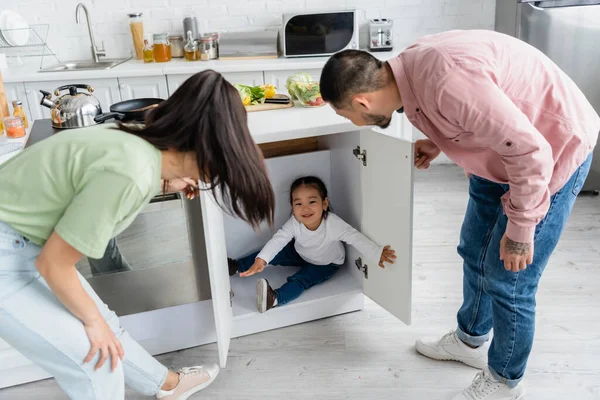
{"type": "Point", "coordinates": [524, 133]}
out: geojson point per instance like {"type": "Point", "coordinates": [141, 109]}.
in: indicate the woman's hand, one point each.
{"type": "Point", "coordinates": [188, 186]}
{"type": "Point", "coordinates": [104, 340]}
{"type": "Point", "coordinates": [425, 152]}
{"type": "Point", "coordinates": [387, 255]}
{"type": "Point", "coordinates": [258, 266]}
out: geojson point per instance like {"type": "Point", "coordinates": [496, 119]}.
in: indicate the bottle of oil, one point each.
{"type": "Point", "coordinates": [147, 52]}
{"type": "Point", "coordinates": [191, 48]}
{"type": "Point", "coordinates": [18, 112]}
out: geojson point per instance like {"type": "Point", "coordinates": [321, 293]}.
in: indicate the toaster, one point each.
{"type": "Point", "coordinates": [380, 34]}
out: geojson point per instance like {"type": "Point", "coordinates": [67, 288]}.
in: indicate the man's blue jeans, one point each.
{"type": "Point", "coordinates": [497, 298]}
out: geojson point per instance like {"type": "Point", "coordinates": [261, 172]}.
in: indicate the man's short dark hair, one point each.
{"type": "Point", "coordinates": [348, 73]}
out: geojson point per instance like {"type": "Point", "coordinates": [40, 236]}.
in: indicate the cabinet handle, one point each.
{"type": "Point", "coordinates": [27, 91]}
{"type": "Point", "coordinates": [121, 86]}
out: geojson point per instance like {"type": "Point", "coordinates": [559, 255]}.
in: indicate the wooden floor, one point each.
{"type": "Point", "coordinates": [370, 355]}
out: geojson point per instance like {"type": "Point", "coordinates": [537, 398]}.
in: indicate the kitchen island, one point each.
{"type": "Point", "coordinates": [369, 177]}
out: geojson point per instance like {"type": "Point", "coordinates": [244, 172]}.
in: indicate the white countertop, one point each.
{"type": "Point", "coordinates": [137, 68]}
{"type": "Point", "coordinates": [295, 123]}
{"type": "Point", "coordinates": [272, 126]}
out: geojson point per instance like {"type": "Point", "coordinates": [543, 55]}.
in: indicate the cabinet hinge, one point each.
{"type": "Point", "coordinates": [364, 268]}
{"type": "Point", "coordinates": [361, 156]}
{"type": "Point", "coordinates": [231, 297]}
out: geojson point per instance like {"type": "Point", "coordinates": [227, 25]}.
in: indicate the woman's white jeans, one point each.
{"type": "Point", "coordinates": [34, 322]}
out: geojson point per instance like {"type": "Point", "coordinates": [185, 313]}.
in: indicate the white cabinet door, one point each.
{"type": "Point", "coordinates": [105, 90]}
{"type": "Point", "coordinates": [387, 219]}
{"type": "Point", "coordinates": [245, 78]}
{"type": "Point", "coordinates": [216, 256]}
{"type": "Point", "coordinates": [278, 78]}
{"type": "Point", "coordinates": [143, 87]}
{"type": "Point", "coordinates": [17, 91]}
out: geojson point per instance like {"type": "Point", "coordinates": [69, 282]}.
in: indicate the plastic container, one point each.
{"type": "Point", "coordinates": [161, 48]}
{"type": "Point", "coordinates": [308, 93]}
{"type": "Point", "coordinates": [14, 127]}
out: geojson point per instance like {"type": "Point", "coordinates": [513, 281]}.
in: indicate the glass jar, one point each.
{"type": "Point", "coordinates": [215, 36]}
{"type": "Point", "coordinates": [136, 25]}
{"type": "Point", "coordinates": [161, 48]}
{"type": "Point", "coordinates": [208, 47]}
{"type": "Point", "coordinates": [18, 112]}
{"type": "Point", "coordinates": [204, 48]}
{"type": "Point", "coordinates": [14, 127]}
{"type": "Point", "coordinates": [177, 44]}
{"type": "Point", "coordinates": [191, 48]}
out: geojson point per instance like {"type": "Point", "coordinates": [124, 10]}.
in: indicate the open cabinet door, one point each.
{"type": "Point", "coordinates": [387, 195]}
{"type": "Point", "coordinates": [216, 255]}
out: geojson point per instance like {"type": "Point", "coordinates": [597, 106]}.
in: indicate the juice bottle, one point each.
{"type": "Point", "coordinates": [18, 112]}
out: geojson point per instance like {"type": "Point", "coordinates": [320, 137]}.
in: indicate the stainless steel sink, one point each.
{"type": "Point", "coordinates": [85, 65]}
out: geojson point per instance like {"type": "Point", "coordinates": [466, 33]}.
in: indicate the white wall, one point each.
{"type": "Point", "coordinates": [412, 18]}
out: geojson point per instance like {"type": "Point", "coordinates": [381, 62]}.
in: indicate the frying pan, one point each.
{"type": "Point", "coordinates": [129, 110]}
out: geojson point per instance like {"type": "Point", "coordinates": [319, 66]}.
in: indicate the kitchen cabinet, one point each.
{"type": "Point", "coordinates": [246, 78]}
{"type": "Point", "coordinates": [17, 91]}
{"type": "Point", "coordinates": [357, 166]}
{"type": "Point", "coordinates": [105, 90]}
{"type": "Point", "coordinates": [143, 87]}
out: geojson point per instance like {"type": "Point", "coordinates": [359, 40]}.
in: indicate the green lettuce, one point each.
{"type": "Point", "coordinates": [256, 94]}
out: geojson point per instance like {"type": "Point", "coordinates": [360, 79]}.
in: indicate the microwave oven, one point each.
{"type": "Point", "coordinates": [319, 33]}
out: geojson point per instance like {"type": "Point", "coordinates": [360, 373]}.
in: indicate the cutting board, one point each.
{"type": "Point", "coordinates": [270, 106]}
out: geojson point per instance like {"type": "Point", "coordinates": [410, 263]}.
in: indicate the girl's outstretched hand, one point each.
{"type": "Point", "coordinates": [387, 255]}
{"type": "Point", "coordinates": [258, 266]}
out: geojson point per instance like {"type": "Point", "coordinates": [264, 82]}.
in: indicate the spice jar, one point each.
{"type": "Point", "coordinates": [215, 36]}
{"type": "Point", "coordinates": [191, 48]}
{"type": "Point", "coordinates": [162, 48]}
{"type": "Point", "coordinates": [136, 25]}
{"type": "Point", "coordinates": [14, 126]}
{"type": "Point", "coordinates": [177, 44]}
{"type": "Point", "coordinates": [208, 49]}
{"type": "Point", "coordinates": [18, 112]}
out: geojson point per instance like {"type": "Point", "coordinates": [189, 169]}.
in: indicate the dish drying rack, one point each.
{"type": "Point", "coordinates": [36, 46]}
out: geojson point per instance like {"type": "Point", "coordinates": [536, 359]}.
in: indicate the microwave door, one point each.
{"type": "Point", "coordinates": [318, 34]}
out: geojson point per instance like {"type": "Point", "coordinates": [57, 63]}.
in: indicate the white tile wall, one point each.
{"type": "Point", "coordinates": [412, 18]}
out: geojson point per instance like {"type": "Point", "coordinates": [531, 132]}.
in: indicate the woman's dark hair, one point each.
{"type": "Point", "coordinates": [314, 182]}
{"type": "Point", "coordinates": [205, 115]}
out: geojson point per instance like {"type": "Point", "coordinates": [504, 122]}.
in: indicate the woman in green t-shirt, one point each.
{"type": "Point", "coordinates": [67, 196]}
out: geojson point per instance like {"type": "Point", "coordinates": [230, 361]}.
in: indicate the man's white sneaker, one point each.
{"type": "Point", "coordinates": [486, 387]}
{"type": "Point", "coordinates": [451, 348]}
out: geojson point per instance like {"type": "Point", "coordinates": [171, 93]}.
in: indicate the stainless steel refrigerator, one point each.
{"type": "Point", "coordinates": [568, 32]}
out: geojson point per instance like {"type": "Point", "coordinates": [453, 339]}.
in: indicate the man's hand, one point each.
{"type": "Point", "coordinates": [516, 256]}
{"type": "Point", "coordinates": [425, 152]}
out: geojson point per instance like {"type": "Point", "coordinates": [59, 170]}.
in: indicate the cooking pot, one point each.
{"type": "Point", "coordinates": [129, 110]}
{"type": "Point", "coordinates": [75, 109]}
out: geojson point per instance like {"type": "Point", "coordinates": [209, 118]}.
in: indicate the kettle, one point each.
{"type": "Point", "coordinates": [75, 109]}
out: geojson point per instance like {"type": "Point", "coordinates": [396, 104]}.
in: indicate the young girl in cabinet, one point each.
{"type": "Point", "coordinates": [311, 239]}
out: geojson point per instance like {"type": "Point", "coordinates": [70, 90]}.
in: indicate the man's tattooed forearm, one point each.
{"type": "Point", "coordinates": [517, 248]}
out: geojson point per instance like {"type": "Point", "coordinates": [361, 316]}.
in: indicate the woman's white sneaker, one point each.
{"type": "Point", "coordinates": [191, 380]}
{"type": "Point", "coordinates": [486, 387]}
{"type": "Point", "coordinates": [451, 348]}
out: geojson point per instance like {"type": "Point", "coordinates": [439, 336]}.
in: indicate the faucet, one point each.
{"type": "Point", "coordinates": [96, 52]}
